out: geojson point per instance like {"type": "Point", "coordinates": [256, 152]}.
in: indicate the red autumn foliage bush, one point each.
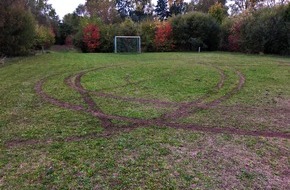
{"type": "Point", "coordinates": [91, 37]}
{"type": "Point", "coordinates": [163, 37]}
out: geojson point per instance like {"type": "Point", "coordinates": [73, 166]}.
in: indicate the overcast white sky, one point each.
{"type": "Point", "coordinates": [63, 7]}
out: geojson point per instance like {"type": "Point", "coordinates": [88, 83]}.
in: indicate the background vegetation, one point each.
{"type": "Point", "coordinates": [260, 26]}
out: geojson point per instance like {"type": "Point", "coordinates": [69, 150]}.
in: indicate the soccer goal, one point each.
{"type": "Point", "coordinates": [127, 44]}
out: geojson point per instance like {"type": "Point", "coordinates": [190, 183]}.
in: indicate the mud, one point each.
{"type": "Point", "coordinates": [167, 120]}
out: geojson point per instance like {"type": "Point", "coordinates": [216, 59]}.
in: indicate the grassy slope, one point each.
{"type": "Point", "coordinates": [152, 157]}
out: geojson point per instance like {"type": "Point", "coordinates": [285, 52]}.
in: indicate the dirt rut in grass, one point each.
{"type": "Point", "coordinates": [169, 119]}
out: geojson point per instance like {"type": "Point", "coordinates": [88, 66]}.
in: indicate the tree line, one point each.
{"type": "Point", "coordinates": [251, 26]}
{"type": "Point", "coordinates": [26, 25]}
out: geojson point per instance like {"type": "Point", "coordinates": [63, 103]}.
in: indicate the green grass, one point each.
{"type": "Point", "coordinates": [161, 80]}
{"type": "Point", "coordinates": [43, 146]}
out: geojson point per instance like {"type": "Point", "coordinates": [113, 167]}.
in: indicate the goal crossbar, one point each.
{"type": "Point", "coordinates": [137, 45]}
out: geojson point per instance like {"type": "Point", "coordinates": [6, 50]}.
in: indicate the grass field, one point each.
{"type": "Point", "coordinates": [148, 121]}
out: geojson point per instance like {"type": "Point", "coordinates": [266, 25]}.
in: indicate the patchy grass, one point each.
{"type": "Point", "coordinates": [43, 146]}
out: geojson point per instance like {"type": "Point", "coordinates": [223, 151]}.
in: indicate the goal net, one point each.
{"type": "Point", "coordinates": [127, 44]}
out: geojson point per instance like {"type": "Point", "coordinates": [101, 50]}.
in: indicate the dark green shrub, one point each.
{"type": "Point", "coordinates": [128, 28]}
{"type": "Point", "coordinates": [181, 33]}
{"type": "Point", "coordinates": [224, 34]}
{"type": "Point", "coordinates": [147, 32]}
{"type": "Point", "coordinates": [287, 22]}
{"type": "Point", "coordinates": [266, 31]}
{"type": "Point", "coordinates": [78, 41]}
{"type": "Point", "coordinates": [67, 28]}
{"type": "Point", "coordinates": [17, 32]}
{"type": "Point", "coordinates": [108, 33]}
{"type": "Point", "coordinates": [195, 30]}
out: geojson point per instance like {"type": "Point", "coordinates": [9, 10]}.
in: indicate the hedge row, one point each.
{"type": "Point", "coordinates": [182, 33]}
{"type": "Point", "coordinates": [263, 31]}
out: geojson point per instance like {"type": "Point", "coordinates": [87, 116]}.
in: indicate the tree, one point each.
{"type": "Point", "coordinates": [178, 7]}
{"type": "Point", "coordinates": [287, 24]}
{"type": "Point", "coordinates": [272, 3]}
{"type": "Point", "coordinates": [81, 10]}
{"type": "Point", "coordinates": [104, 9]}
{"type": "Point", "coordinates": [143, 9]}
{"type": "Point", "coordinates": [147, 29]}
{"type": "Point", "coordinates": [204, 5]}
{"type": "Point", "coordinates": [235, 36]}
{"type": "Point", "coordinates": [44, 37]}
{"type": "Point", "coordinates": [194, 30]}
{"type": "Point", "coordinates": [163, 37]}
{"type": "Point", "coordinates": [68, 27]}
{"type": "Point", "coordinates": [162, 10]}
{"type": "Point", "coordinates": [238, 6]}
{"type": "Point", "coordinates": [43, 11]}
{"type": "Point", "coordinates": [218, 12]}
{"type": "Point", "coordinates": [128, 28]}
{"type": "Point", "coordinates": [137, 10]}
{"type": "Point", "coordinates": [124, 7]}
{"type": "Point", "coordinates": [17, 31]}
{"type": "Point", "coordinates": [266, 31]}
{"type": "Point", "coordinates": [224, 34]}
{"type": "Point", "coordinates": [91, 37]}
{"type": "Point", "coordinates": [191, 6]}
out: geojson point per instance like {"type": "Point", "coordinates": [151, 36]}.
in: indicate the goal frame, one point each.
{"type": "Point", "coordinates": [130, 37]}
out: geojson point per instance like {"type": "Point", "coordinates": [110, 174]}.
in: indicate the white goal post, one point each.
{"type": "Point", "coordinates": [127, 44]}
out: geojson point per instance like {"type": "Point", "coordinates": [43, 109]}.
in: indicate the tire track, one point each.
{"type": "Point", "coordinates": [74, 82]}
{"type": "Point", "coordinates": [87, 98]}
{"type": "Point", "coordinates": [184, 108]}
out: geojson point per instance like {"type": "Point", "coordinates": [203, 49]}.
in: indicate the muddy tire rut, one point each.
{"type": "Point", "coordinates": [169, 119]}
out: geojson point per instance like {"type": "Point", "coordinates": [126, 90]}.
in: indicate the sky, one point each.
{"type": "Point", "coordinates": [63, 7]}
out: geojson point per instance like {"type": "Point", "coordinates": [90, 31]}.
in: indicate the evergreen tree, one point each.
{"type": "Point", "coordinates": [124, 7]}
{"type": "Point", "coordinates": [178, 7]}
{"type": "Point", "coordinates": [137, 10]}
{"type": "Point", "coordinates": [142, 10]}
{"type": "Point", "coordinates": [162, 10]}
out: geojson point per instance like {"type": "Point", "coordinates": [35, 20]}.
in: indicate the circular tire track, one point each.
{"type": "Point", "coordinates": [184, 108]}
{"type": "Point", "coordinates": [166, 120]}
{"type": "Point", "coordinates": [75, 83]}
{"type": "Point", "coordinates": [88, 99]}
{"type": "Point", "coordinates": [155, 102]}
